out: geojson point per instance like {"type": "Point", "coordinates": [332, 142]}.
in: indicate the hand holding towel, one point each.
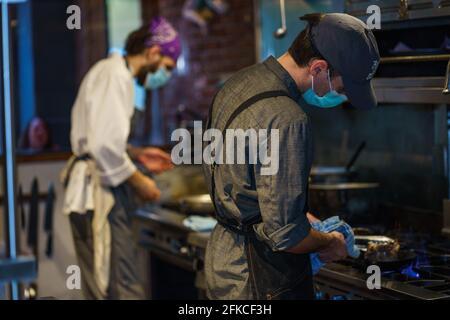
{"type": "Point", "coordinates": [330, 225]}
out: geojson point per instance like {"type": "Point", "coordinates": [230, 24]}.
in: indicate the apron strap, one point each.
{"type": "Point", "coordinates": [246, 227]}
{"type": "Point", "coordinates": [83, 157]}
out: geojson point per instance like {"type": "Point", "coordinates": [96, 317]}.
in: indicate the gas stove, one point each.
{"type": "Point", "coordinates": [431, 270]}
{"type": "Point", "coordinates": [426, 278]}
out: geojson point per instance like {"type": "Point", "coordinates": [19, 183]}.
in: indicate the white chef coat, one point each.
{"type": "Point", "coordinates": [101, 119]}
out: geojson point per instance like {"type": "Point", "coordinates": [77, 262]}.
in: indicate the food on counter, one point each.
{"type": "Point", "coordinates": [382, 251]}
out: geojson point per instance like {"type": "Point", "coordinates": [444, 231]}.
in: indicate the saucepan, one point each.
{"type": "Point", "coordinates": [331, 174]}
{"type": "Point", "coordinates": [355, 202]}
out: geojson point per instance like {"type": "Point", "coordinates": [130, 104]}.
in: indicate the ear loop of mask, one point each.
{"type": "Point", "coordinates": [329, 80]}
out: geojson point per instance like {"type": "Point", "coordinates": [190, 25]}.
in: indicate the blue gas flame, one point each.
{"type": "Point", "coordinates": [410, 272]}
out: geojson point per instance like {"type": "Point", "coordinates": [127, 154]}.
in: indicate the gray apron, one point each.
{"type": "Point", "coordinates": [273, 275]}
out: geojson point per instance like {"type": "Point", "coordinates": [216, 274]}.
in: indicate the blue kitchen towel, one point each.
{"type": "Point", "coordinates": [199, 223]}
{"type": "Point", "coordinates": [330, 225]}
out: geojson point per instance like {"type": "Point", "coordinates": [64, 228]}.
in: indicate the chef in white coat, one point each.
{"type": "Point", "coordinates": [102, 181]}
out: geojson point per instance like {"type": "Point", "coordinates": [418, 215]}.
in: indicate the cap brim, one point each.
{"type": "Point", "coordinates": [360, 95]}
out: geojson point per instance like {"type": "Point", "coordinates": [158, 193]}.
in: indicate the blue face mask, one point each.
{"type": "Point", "coordinates": [329, 100]}
{"type": "Point", "coordinates": [158, 79]}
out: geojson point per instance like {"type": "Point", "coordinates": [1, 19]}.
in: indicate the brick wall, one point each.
{"type": "Point", "coordinates": [228, 47]}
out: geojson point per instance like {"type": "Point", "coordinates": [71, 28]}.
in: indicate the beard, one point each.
{"type": "Point", "coordinates": [144, 71]}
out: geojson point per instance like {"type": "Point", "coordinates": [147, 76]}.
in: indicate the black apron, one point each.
{"type": "Point", "coordinates": [273, 275]}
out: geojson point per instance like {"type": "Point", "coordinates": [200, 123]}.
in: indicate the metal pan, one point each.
{"type": "Point", "coordinates": [363, 240]}
{"type": "Point", "coordinates": [404, 258]}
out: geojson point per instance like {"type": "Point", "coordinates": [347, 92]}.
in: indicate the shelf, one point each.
{"type": "Point", "coordinates": [415, 90]}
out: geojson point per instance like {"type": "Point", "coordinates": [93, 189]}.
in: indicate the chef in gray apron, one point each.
{"type": "Point", "coordinates": [260, 247]}
{"type": "Point", "coordinates": [101, 179]}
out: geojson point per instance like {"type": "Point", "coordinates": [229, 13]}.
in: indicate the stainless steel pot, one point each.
{"type": "Point", "coordinates": [353, 201]}
{"type": "Point", "coordinates": [323, 174]}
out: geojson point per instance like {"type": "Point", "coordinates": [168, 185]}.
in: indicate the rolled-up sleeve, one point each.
{"type": "Point", "coordinates": [109, 129]}
{"type": "Point", "coordinates": [283, 196]}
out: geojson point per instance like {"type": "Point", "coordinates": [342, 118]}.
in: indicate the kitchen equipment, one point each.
{"type": "Point", "coordinates": [172, 264]}
{"type": "Point", "coordinates": [446, 89]}
{"type": "Point", "coordinates": [344, 186]}
{"type": "Point", "coordinates": [21, 206]}
{"type": "Point", "coordinates": [355, 156]}
{"type": "Point", "coordinates": [324, 174]}
{"type": "Point", "coordinates": [181, 181]}
{"type": "Point", "coordinates": [48, 222]}
{"type": "Point", "coordinates": [427, 279]}
{"type": "Point", "coordinates": [197, 204]}
{"type": "Point", "coordinates": [355, 202]}
{"type": "Point", "coordinates": [362, 231]}
{"type": "Point", "coordinates": [404, 257]}
{"type": "Point", "coordinates": [33, 235]}
{"type": "Point", "coordinates": [398, 11]}
{"type": "Point", "coordinates": [33, 219]}
{"type": "Point", "coordinates": [281, 31]}
{"type": "Point", "coordinates": [364, 240]}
